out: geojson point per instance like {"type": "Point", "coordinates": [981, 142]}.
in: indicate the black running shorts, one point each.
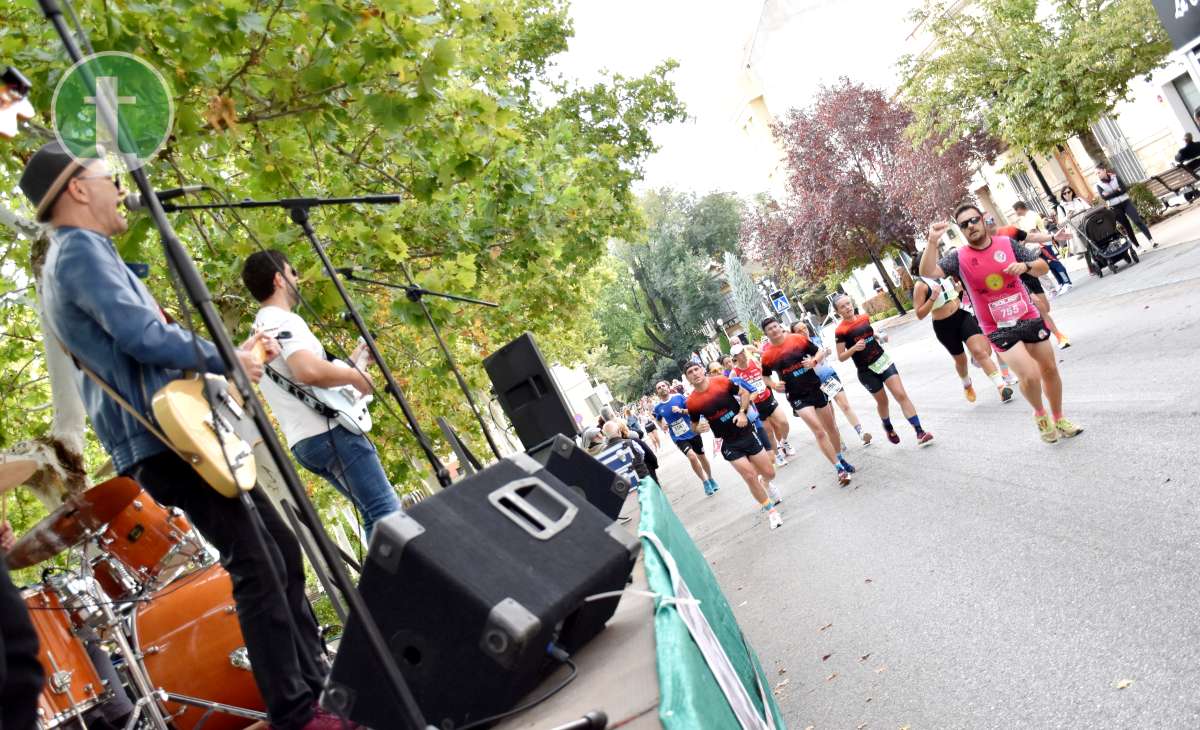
{"type": "Point", "coordinates": [695, 443]}
{"type": "Point", "coordinates": [742, 446]}
{"type": "Point", "coordinates": [874, 383]}
{"type": "Point", "coordinates": [1033, 284]}
{"type": "Point", "coordinates": [650, 426]}
{"type": "Point", "coordinates": [1029, 331]}
{"type": "Point", "coordinates": [955, 330]}
{"type": "Point", "coordinates": [767, 407]}
{"type": "Point", "coordinates": [810, 399]}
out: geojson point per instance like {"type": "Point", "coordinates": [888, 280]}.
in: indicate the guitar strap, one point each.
{"type": "Point", "coordinates": [300, 393]}
{"type": "Point", "coordinates": [120, 400]}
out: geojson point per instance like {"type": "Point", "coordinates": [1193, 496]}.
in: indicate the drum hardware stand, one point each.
{"type": "Point", "coordinates": [212, 707]}
{"type": "Point", "coordinates": [55, 677]}
{"type": "Point", "coordinates": [185, 271]}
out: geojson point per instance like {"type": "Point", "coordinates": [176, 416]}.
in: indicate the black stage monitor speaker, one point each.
{"type": "Point", "coordinates": [527, 392]}
{"type": "Point", "coordinates": [578, 469]}
{"type": "Point", "coordinates": [471, 587]}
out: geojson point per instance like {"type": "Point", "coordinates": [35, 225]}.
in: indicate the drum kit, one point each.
{"type": "Point", "coordinates": [147, 596]}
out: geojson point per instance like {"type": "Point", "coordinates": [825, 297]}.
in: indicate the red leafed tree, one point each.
{"type": "Point", "coordinates": [857, 184]}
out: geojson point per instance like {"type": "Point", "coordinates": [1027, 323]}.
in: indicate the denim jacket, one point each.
{"type": "Point", "coordinates": [109, 321]}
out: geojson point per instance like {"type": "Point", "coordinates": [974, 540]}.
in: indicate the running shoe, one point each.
{"type": "Point", "coordinates": [774, 519]}
{"type": "Point", "coordinates": [788, 450]}
{"type": "Point", "coordinates": [708, 489]}
{"type": "Point", "coordinates": [843, 476]}
{"type": "Point", "coordinates": [713, 484]}
{"type": "Point", "coordinates": [866, 438]}
{"type": "Point", "coordinates": [1064, 342]}
{"type": "Point", "coordinates": [925, 439]}
{"type": "Point", "coordinates": [779, 459]}
{"type": "Point", "coordinates": [1046, 429]}
{"type": "Point", "coordinates": [1065, 288]}
{"type": "Point", "coordinates": [1006, 394]}
{"type": "Point", "coordinates": [969, 391]}
{"type": "Point", "coordinates": [773, 493]}
{"type": "Point", "coordinates": [1011, 380]}
{"type": "Point", "coordinates": [893, 437]}
{"type": "Point", "coordinates": [1066, 428]}
{"type": "Point", "coordinates": [848, 466]}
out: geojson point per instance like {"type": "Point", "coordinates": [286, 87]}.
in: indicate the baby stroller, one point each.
{"type": "Point", "coordinates": [1106, 243]}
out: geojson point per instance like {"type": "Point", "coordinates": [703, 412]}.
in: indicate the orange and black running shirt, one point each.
{"type": "Point", "coordinates": [785, 360]}
{"type": "Point", "coordinates": [850, 331]}
{"type": "Point", "coordinates": [719, 404]}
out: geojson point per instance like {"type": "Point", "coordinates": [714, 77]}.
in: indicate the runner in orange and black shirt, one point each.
{"type": "Point", "coordinates": [857, 339]}
{"type": "Point", "coordinates": [724, 405]}
{"type": "Point", "coordinates": [793, 358]}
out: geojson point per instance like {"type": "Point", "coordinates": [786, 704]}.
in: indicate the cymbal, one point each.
{"type": "Point", "coordinates": [15, 471]}
{"type": "Point", "coordinates": [70, 524]}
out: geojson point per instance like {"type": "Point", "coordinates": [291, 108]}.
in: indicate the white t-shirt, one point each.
{"type": "Point", "coordinates": [297, 420]}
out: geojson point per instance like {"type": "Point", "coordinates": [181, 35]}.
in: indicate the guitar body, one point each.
{"type": "Point", "coordinates": [211, 441]}
{"type": "Point", "coordinates": [350, 406]}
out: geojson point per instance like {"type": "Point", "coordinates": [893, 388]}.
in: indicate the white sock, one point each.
{"type": "Point", "coordinates": [997, 379]}
{"type": "Point", "coordinates": [966, 381]}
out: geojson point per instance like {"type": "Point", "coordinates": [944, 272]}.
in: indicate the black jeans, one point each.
{"type": "Point", "coordinates": [20, 672]}
{"type": "Point", "coordinates": [1126, 212]}
{"type": "Point", "coordinates": [286, 663]}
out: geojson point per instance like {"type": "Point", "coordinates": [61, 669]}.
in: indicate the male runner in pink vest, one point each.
{"type": "Point", "coordinates": [990, 269]}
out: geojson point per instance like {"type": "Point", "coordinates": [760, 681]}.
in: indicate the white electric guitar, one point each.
{"type": "Point", "coordinates": [343, 403]}
{"type": "Point", "coordinates": [350, 405]}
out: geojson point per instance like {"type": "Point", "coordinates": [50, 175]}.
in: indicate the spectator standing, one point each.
{"type": "Point", "coordinates": [1114, 193]}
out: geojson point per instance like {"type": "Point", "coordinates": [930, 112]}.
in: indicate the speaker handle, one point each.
{"type": "Point", "coordinates": [510, 502]}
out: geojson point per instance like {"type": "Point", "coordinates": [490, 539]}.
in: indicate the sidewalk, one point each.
{"type": "Point", "coordinates": [1181, 227]}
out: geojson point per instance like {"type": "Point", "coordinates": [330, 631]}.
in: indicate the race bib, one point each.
{"type": "Point", "coordinates": [680, 427]}
{"type": "Point", "coordinates": [831, 387]}
{"type": "Point", "coordinates": [1006, 311]}
{"type": "Point", "coordinates": [883, 363]}
{"type": "Point", "coordinates": [757, 384]}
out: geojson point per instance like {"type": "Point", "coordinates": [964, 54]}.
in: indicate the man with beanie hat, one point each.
{"type": "Point", "coordinates": [108, 320]}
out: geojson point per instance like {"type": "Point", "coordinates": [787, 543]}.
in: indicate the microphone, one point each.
{"type": "Point", "coordinates": [137, 202]}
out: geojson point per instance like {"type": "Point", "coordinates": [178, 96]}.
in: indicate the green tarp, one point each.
{"type": "Point", "coordinates": [691, 698]}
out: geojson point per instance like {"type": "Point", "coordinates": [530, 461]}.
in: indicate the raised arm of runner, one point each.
{"type": "Point", "coordinates": [929, 261]}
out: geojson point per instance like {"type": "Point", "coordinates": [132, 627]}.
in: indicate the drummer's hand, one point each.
{"type": "Point", "coordinates": [7, 537]}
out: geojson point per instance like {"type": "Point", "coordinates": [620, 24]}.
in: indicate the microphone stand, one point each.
{"type": "Point", "coordinates": [189, 277]}
{"type": "Point", "coordinates": [297, 209]}
{"type": "Point", "coordinates": [417, 294]}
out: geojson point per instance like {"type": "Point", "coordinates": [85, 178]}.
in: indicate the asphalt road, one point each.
{"type": "Point", "coordinates": [990, 580]}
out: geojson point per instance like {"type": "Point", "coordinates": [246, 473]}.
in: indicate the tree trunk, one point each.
{"type": "Point", "coordinates": [1037, 171]}
{"type": "Point", "coordinates": [883, 274]}
{"type": "Point", "coordinates": [1091, 145]}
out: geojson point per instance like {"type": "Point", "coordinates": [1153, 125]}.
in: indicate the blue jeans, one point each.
{"type": "Point", "coordinates": [1060, 272]}
{"type": "Point", "coordinates": [350, 463]}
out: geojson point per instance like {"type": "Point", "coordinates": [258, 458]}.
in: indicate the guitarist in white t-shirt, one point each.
{"type": "Point", "coordinates": [321, 438]}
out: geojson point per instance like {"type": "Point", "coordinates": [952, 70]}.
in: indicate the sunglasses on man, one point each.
{"type": "Point", "coordinates": [116, 181]}
{"type": "Point", "coordinates": [970, 221]}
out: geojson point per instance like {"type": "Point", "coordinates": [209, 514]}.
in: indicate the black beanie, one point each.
{"type": "Point", "coordinates": [45, 176]}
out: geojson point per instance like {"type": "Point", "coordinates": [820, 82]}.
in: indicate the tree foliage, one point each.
{"type": "Point", "coordinates": [1031, 73]}
{"type": "Point", "coordinates": [513, 180]}
{"type": "Point", "coordinates": [855, 180]}
{"type": "Point", "coordinates": [663, 290]}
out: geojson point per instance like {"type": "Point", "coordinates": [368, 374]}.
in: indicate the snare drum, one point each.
{"type": "Point", "coordinates": [72, 684]}
{"type": "Point", "coordinates": [154, 543]}
{"type": "Point", "coordinates": [192, 645]}
{"type": "Point", "coordinates": [114, 579]}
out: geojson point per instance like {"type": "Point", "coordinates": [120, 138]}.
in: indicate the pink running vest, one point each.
{"type": "Point", "coordinates": [1000, 300]}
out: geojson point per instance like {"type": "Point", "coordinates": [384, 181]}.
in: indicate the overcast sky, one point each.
{"type": "Point", "coordinates": [800, 44]}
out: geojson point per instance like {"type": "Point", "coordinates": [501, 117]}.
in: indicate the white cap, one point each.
{"type": "Point", "coordinates": [737, 349]}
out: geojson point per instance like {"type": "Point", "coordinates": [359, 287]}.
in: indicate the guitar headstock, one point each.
{"type": "Point", "coordinates": [14, 102]}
